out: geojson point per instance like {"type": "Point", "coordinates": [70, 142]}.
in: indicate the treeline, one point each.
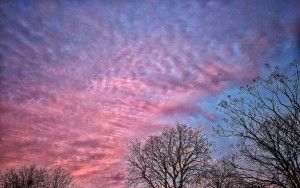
{"type": "Point", "coordinates": [263, 120]}
{"type": "Point", "coordinates": [33, 176]}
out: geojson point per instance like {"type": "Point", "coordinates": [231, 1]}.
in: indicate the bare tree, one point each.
{"type": "Point", "coordinates": [223, 174]}
{"type": "Point", "coordinates": [59, 177]}
{"type": "Point", "coordinates": [32, 176]}
{"type": "Point", "coordinates": [177, 158]}
{"type": "Point", "coordinates": [29, 176]}
{"type": "Point", "coordinates": [264, 117]}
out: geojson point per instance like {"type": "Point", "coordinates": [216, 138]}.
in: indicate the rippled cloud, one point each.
{"type": "Point", "coordinates": [79, 79]}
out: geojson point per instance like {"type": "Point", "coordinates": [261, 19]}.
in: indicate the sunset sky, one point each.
{"type": "Point", "coordinates": [79, 79]}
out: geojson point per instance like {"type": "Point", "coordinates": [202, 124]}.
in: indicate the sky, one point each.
{"type": "Point", "coordinates": [79, 79]}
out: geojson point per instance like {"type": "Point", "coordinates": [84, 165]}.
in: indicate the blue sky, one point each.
{"type": "Point", "coordinates": [80, 79]}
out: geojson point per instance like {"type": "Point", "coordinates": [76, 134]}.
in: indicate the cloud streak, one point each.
{"type": "Point", "coordinates": [79, 79]}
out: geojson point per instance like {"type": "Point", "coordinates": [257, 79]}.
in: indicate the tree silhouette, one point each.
{"type": "Point", "coordinates": [177, 158]}
{"type": "Point", "coordinates": [223, 174]}
{"type": "Point", "coordinates": [32, 176]}
{"type": "Point", "coordinates": [264, 117]}
{"type": "Point", "coordinates": [59, 177]}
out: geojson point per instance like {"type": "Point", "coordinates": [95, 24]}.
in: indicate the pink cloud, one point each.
{"type": "Point", "coordinates": [79, 80]}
